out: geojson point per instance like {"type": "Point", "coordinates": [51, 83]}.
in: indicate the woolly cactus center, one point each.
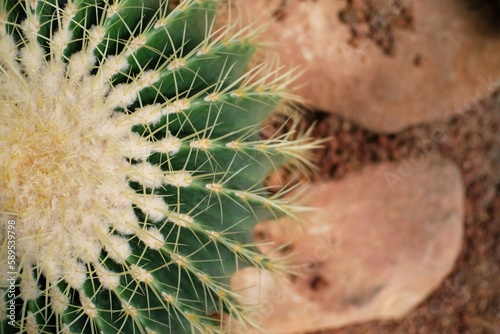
{"type": "Point", "coordinates": [61, 171]}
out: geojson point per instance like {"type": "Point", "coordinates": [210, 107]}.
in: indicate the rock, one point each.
{"type": "Point", "coordinates": [382, 241]}
{"type": "Point", "coordinates": [444, 59]}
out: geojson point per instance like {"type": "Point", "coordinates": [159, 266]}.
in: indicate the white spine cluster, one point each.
{"type": "Point", "coordinates": [64, 160]}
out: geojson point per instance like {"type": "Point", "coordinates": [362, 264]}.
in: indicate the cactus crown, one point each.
{"type": "Point", "coordinates": [131, 165]}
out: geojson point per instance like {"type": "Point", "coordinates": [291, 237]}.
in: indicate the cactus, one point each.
{"type": "Point", "coordinates": [131, 165]}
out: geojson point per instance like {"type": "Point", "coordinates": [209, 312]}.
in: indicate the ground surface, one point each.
{"type": "Point", "coordinates": [468, 301]}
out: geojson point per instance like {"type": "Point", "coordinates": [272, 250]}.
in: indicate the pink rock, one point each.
{"type": "Point", "coordinates": [447, 61]}
{"type": "Point", "coordinates": [375, 249]}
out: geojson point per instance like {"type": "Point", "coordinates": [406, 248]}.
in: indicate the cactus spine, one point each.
{"type": "Point", "coordinates": [131, 165]}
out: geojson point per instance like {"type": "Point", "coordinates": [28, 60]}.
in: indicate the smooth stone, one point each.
{"type": "Point", "coordinates": [458, 51]}
{"type": "Point", "coordinates": [381, 241]}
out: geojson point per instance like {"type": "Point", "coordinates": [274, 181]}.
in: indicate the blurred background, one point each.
{"type": "Point", "coordinates": [408, 236]}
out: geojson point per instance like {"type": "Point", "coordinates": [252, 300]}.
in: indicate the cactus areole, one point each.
{"type": "Point", "coordinates": [131, 166]}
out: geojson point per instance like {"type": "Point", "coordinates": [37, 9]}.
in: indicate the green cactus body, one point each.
{"type": "Point", "coordinates": [131, 166]}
